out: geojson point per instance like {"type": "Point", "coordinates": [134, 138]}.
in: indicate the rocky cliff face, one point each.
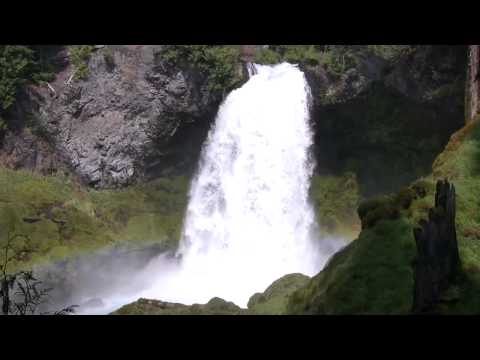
{"type": "Point", "coordinates": [396, 113]}
{"type": "Point", "coordinates": [137, 116]}
{"type": "Point", "coordinates": [130, 118]}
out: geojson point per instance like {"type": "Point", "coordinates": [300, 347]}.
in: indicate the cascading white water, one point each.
{"type": "Point", "coordinates": [248, 220]}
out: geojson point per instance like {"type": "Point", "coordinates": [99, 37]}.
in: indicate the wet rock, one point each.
{"type": "Point", "coordinates": [24, 150]}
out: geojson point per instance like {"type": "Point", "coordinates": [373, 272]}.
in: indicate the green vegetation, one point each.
{"type": "Point", "coordinates": [79, 57]}
{"type": "Point", "coordinates": [19, 65]}
{"type": "Point", "coordinates": [216, 306]}
{"type": "Point", "coordinates": [336, 58]}
{"type": "Point", "coordinates": [220, 64]}
{"type": "Point", "coordinates": [391, 52]}
{"type": "Point", "coordinates": [266, 56]}
{"type": "Point", "coordinates": [16, 64]}
{"type": "Point", "coordinates": [149, 212]}
{"type": "Point", "coordinates": [61, 219]}
{"type": "Point", "coordinates": [339, 58]}
{"type": "Point", "coordinates": [374, 274]}
{"type": "Point", "coordinates": [335, 199]}
{"type": "Point", "coordinates": [274, 300]}
{"type": "Point", "coordinates": [295, 54]}
{"type": "Point", "coordinates": [460, 163]}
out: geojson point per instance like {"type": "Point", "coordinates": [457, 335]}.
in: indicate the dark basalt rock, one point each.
{"type": "Point", "coordinates": [139, 119]}
{"type": "Point", "coordinates": [438, 260]}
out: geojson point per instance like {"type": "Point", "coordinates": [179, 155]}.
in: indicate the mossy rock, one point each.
{"type": "Point", "coordinates": [216, 306]}
{"type": "Point", "coordinates": [374, 273]}
{"type": "Point", "coordinates": [372, 204]}
{"type": "Point", "coordinates": [377, 209]}
{"type": "Point", "coordinates": [423, 188]}
{"type": "Point", "coordinates": [371, 275]}
{"type": "Point", "coordinates": [273, 301]}
{"type": "Point", "coordinates": [405, 197]}
{"type": "Point", "coordinates": [59, 218]}
{"type": "Point", "coordinates": [335, 199]}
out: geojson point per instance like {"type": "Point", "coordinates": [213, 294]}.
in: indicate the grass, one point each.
{"type": "Point", "coordinates": [61, 219]}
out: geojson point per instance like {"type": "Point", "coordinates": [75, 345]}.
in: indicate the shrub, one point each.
{"type": "Point", "coordinates": [79, 56]}
{"type": "Point", "coordinates": [266, 56]}
{"type": "Point", "coordinates": [338, 59]}
{"type": "Point", "coordinates": [405, 197]}
{"type": "Point", "coordinates": [387, 211]}
{"type": "Point", "coordinates": [16, 64]}
{"type": "Point", "coordinates": [391, 52]}
{"type": "Point", "coordinates": [380, 208]}
{"type": "Point", "coordinates": [218, 63]}
{"type": "Point", "coordinates": [297, 54]}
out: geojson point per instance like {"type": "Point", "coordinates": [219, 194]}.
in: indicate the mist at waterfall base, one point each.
{"type": "Point", "coordinates": [249, 220]}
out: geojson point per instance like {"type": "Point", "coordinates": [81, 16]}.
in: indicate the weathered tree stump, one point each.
{"type": "Point", "coordinates": [473, 82]}
{"type": "Point", "coordinates": [438, 260]}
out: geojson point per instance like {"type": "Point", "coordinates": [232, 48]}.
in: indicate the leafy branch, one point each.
{"type": "Point", "coordinates": [22, 292]}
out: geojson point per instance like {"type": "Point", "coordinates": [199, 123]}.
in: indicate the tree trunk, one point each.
{"type": "Point", "coordinates": [473, 82]}
{"type": "Point", "coordinates": [438, 260]}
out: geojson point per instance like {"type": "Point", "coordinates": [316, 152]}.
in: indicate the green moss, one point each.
{"type": "Point", "coordinates": [460, 163]}
{"type": "Point", "coordinates": [215, 306]}
{"type": "Point", "coordinates": [372, 275]}
{"type": "Point", "coordinates": [61, 219]}
{"type": "Point", "coordinates": [274, 300]}
{"type": "Point", "coordinates": [405, 197]}
{"type": "Point", "coordinates": [335, 199]}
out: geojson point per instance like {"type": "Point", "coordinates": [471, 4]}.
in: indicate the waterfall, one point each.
{"type": "Point", "coordinates": [249, 221]}
{"type": "Point", "coordinates": [251, 69]}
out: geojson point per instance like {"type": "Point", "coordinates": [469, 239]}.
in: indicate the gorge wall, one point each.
{"type": "Point", "coordinates": [387, 120]}
{"type": "Point", "coordinates": [135, 116]}
{"type": "Point", "coordinates": [139, 114]}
